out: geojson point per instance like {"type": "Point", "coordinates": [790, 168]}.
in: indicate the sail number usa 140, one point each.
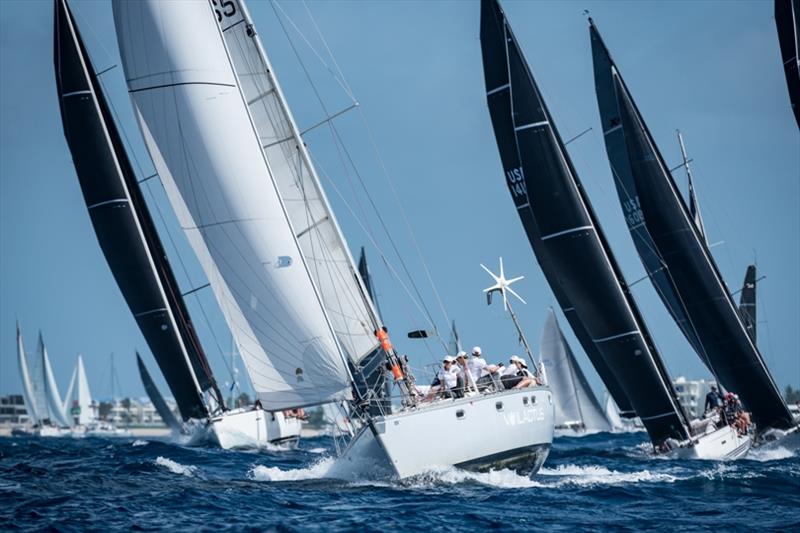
{"type": "Point", "coordinates": [516, 183]}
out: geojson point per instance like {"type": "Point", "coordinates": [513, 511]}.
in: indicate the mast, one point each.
{"type": "Point", "coordinates": [694, 206]}
{"type": "Point", "coordinates": [730, 352]}
{"type": "Point", "coordinates": [123, 225]}
{"type": "Point", "coordinates": [561, 224]}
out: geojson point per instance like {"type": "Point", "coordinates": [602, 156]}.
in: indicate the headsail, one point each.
{"type": "Point", "coordinates": [787, 21]}
{"type": "Point", "coordinates": [747, 302]}
{"type": "Point", "coordinates": [161, 406]}
{"type": "Point", "coordinates": [200, 135]}
{"type": "Point", "coordinates": [575, 402]}
{"type": "Point", "coordinates": [694, 205]}
{"type": "Point", "coordinates": [729, 350]}
{"type": "Point", "coordinates": [623, 180]}
{"type": "Point", "coordinates": [564, 231]}
{"type": "Point", "coordinates": [612, 413]}
{"type": "Point", "coordinates": [78, 402]}
{"type": "Point", "coordinates": [55, 404]}
{"type": "Point", "coordinates": [321, 241]}
{"type": "Point", "coordinates": [27, 387]}
{"type": "Point", "coordinates": [122, 222]}
{"type": "Point", "coordinates": [496, 73]}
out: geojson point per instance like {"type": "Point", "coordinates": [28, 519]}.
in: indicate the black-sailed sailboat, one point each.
{"type": "Point", "coordinates": [122, 223]}
{"type": "Point", "coordinates": [567, 239]}
{"type": "Point", "coordinates": [496, 73]}
{"type": "Point", "coordinates": [747, 301]}
{"type": "Point", "coordinates": [787, 21]}
{"type": "Point", "coordinates": [693, 275]}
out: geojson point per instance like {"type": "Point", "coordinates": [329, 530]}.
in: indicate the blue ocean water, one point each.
{"type": "Point", "coordinates": [597, 482]}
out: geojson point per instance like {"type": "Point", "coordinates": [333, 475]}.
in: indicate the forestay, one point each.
{"type": "Point", "coordinates": [575, 403]}
{"type": "Point", "coordinates": [321, 241]}
{"type": "Point", "coordinates": [198, 131]}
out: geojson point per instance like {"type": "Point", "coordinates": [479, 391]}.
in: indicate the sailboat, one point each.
{"type": "Point", "coordinates": [129, 240]}
{"type": "Point", "coordinates": [577, 410]}
{"type": "Point", "coordinates": [78, 400]}
{"type": "Point", "coordinates": [163, 410]}
{"type": "Point", "coordinates": [252, 207]}
{"type": "Point", "coordinates": [787, 21]}
{"type": "Point", "coordinates": [687, 269]}
{"type": "Point", "coordinates": [42, 401]}
{"type": "Point", "coordinates": [574, 254]}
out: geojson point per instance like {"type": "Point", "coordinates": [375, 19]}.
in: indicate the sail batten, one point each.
{"type": "Point", "coordinates": [577, 260]}
{"type": "Point", "coordinates": [226, 196]}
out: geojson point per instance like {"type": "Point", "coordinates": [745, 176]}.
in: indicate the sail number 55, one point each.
{"type": "Point", "coordinates": [226, 8]}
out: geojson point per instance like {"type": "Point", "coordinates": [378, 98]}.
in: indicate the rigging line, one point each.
{"type": "Point", "coordinates": [336, 133]}
{"type": "Point", "coordinates": [329, 118]}
{"type": "Point", "coordinates": [374, 243]}
{"type": "Point", "coordinates": [325, 44]}
{"type": "Point", "coordinates": [344, 86]}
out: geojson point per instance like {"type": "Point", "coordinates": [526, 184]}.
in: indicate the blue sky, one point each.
{"type": "Point", "coordinates": [712, 69]}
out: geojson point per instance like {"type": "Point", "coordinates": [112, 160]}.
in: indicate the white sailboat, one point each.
{"type": "Point", "coordinates": [256, 216]}
{"type": "Point", "coordinates": [42, 402]}
{"type": "Point", "coordinates": [78, 401]}
{"type": "Point", "coordinates": [577, 410]}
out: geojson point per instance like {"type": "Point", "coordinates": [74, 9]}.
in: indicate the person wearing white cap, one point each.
{"type": "Point", "coordinates": [480, 370]}
{"type": "Point", "coordinates": [446, 379]}
{"type": "Point", "coordinates": [516, 375]}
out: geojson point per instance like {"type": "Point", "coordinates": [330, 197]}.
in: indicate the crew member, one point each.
{"type": "Point", "coordinates": [713, 399]}
{"type": "Point", "coordinates": [481, 370]}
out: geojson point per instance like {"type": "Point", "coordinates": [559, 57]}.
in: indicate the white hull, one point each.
{"type": "Point", "coordinates": [721, 444]}
{"type": "Point", "coordinates": [252, 428]}
{"type": "Point", "coordinates": [513, 429]}
{"type": "Point", "coordinates": [43, 431]}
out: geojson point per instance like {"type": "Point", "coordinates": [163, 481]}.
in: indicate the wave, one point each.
{"type": "Point", "coordinates": [450, 475]}
{"type": "Point", "coordinates": [175, 467]}
{"type": "Point", "coordinates": [317, 470]}
{"type": "Point", "coordinates": [139, 442]}
{"type": "Point", "coordinates": [769, 454]}
{"type": "Point", "coordinates": [592, 475]}
{"type": "Point", "coordinates": [317, 450]}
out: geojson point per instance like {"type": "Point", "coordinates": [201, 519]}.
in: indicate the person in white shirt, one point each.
{"type": "Point", "coordinates": [481, 370]}
{"type": "Point", "coordinates": [466, 382]}
{"type": "Point", "coordinates": [514, 376]}
{"type": "Point", "coordinates": [446, 379]}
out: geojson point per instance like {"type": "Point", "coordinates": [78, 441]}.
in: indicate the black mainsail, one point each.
{"type": "Point", "coordinates": [623, 180]}
{"type": "Point", "coordinates": [566, 238]}
{"type": "Point", "coordinates": [747, 302]}
{"type": "Point", "coordinates": [155, 396]}
{"type": "Point", "coordinates": [122, 223]}
{"type": "Point", "coordinates": [787, 21]}
{"type": "Point", "coordinates": [728, 349]}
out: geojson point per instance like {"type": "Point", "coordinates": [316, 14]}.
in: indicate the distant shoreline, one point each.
{"type": "Point", "coordinates": [5, 431]}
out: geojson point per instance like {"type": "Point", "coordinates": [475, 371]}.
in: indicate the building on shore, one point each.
{"type": "Point", "coordinates": [692, 394]}
{"type": "Point", "coordinates": [12, 410]}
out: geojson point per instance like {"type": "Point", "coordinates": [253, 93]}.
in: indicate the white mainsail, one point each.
{"type": "Point", "coordinates": [199, 133]}
{"type": "Point", "coordinates": [38, 381]}
{"type": "Point", "coordinates": [27, 388]}
{"type": "Point", "coordinates": [321, 241]}
{"type": "Point", "coordinates": [574, 401]}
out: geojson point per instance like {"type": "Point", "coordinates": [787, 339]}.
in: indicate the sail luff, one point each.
{"type": "Point", "coordinates": [734, 358]}
{"type": "Point", "coordinates": [548, 187]}
{"type": "Point", "coordinates": [54, 400]}
{"type": "Point", "coordinates": [181, 80]}
{"type": "Point", "coordinates": [122, 223]}
{"type": "Point", "coordinates": [84, 396]}
{"type": "Point", "coordinates": [27, 391]}
{"type": "Point", "coordinates": [694, 205]}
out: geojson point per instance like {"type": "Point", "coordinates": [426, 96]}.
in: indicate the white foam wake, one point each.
{"type": "Point", "coordinates": [591, 475]}
{"type": "Point", "coordinates": [450, 475]}
{"type": "Point", "coordinates": [139, 442]}
{"type": "Point", "coordinates": [317, 470]}
{"type": "Point", "coordinates": [769, 454]}
{"type": "Point", "coordinates": [175, 467]}
{"type": "Point", "coordinates": [317, 450]}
